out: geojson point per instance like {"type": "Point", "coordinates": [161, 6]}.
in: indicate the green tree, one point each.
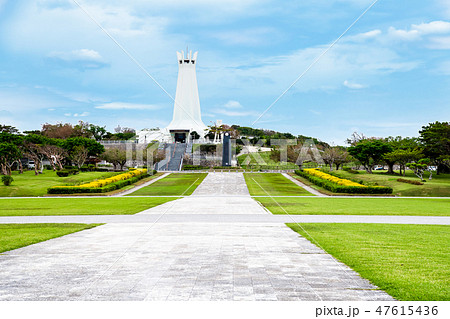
{"type": "Point", "coordinates": [98, 132]}
{"type": "Point", "coordinates": [8, 129]}
{"type": "Point", "coordinates": [116, 156]}
{"type": "Point", "coordinates": [436, 143]}
{"type": "Point", "coordinates": [405, 150]}
{"type": "Point", "coordinates": [419, 167]}
{"type": "Point", "coordinates": [335, 155]}
{"type": "Point", "coordinates": [194, 135]}
{"type": "Point", "coordinates": [369, 152]}
{"type": "Point", "coordinates": [9, 154]}
{"type": "Point", "coordinates": [93, 148]}
{"type": "Point", "coordinates": [402, 157]}
{"type": "Point", "coordinates": [79, 155]}
{"type": "Point", "coordinates": [33, 144]}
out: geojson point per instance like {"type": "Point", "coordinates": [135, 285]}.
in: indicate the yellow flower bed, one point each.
{"type": "Point", "coordinates": [120, 177]}
{"type": "Point", "coordinates": [331, 178]}
{"type": "Point", "coordinates": [110, 180]}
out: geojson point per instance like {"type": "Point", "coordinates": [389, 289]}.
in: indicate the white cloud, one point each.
{"type": "Point", "coordinates": [364, 36]}
{"type": "Point", "coordinates": [80, 59]}
{"type": "Point", "coordinates": [440, 43]}
{"type": "Point", "coordinates": [127, 106]}
{"type": "Point", "coordinates": [434, 27]}
{"type": "Point", "coordinates": [233, 105]}
{"type": "Point", "coordinates": [353, 86]}
{"type": "Point", "coordinates": [418, 31]}
{"type": "Point", "coordinates": [406, 35]}
{"type": "Point", "coordinates": [269, 77]}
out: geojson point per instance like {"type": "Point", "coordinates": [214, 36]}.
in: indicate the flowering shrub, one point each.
{"type": "Point", "coordinates": [340, 185]}
{"type": "Point", "coordinates": [102, 185]}
{"type": "Point", "coordinates": [333, 179]}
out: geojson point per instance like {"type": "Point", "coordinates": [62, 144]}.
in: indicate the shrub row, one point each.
{"type": "Point", "coordinates": [336, 188]}
{"type": "Point", "coordinates": [67, 172]}
{"type": "Point", "coordinates": [409, 181]}
{"type": "Point", "coordinates": [84, 190]}
{"type": "Point", "coordinates": [194, 167]}
{"type": "Point", "coordinates": [359, 181]}
{"type": "Point", "coordinates": [350, 170]}
{"type": "Point", "coordinates": [102, 185]}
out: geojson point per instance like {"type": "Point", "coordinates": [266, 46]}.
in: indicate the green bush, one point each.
{"type": "Point", "coordinates": [352, 171]}
{"type": "Point", "coordinates": [402, 180]}
{"type": "Point", "coordinates": [67, 172]}
{"type": "Point", "coordinates": [63, 173]}
{"type": "Point", "coordinates": [359, 181]}
{"type": "Point", "coordinates": [336, 188]}
{"type": "Point", "coordinates": [194, 167]}
{"type": "Point", "coordinates": [86, 190]}
{"type": "Point", "coordinates": [7, 180]}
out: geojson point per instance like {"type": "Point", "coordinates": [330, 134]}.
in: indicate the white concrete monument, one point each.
{"type": "Point", "coordinates": [186, 112]}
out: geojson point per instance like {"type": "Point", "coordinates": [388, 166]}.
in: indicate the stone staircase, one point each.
{"type": "Point", "coordinates": [174, 159]}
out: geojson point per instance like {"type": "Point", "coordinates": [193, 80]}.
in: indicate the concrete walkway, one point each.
{"type": "Point", "coordinates": [305, 187]}
{"type": "Point", "coordinates": [132, 190]}
{"type": "Point", "coordinates": [233, 217]}
{"type": "Point", "coordinates": [183, 261]}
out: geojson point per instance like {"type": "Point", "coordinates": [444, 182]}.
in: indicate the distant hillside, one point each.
{"type": "Point", "coordinates": [256, 134]}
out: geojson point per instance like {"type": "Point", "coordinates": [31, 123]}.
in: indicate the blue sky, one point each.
{"type": "Point", "coordinates": [389, 75]}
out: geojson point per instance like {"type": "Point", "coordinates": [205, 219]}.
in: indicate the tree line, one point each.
{"type": "Point", "coordinates": [431, 148]}
{"type": "Point", "coordinates": [38, 146]}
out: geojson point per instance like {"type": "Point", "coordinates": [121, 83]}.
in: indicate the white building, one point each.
{"type": "Point", "coordinates": [186, 111]}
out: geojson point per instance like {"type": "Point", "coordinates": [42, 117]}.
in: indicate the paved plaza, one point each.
{"type": "Point", "coordinates": [184, 259]}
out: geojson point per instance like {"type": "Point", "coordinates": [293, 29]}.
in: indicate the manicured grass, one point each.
{"type": "Point", "coordinates": [28, 184]}
{"type": "Point", "coordinates": [273, 183]}
{"type": "Point", "coordinates": [409, 262]}
{"type": "Point", "coordinates": [357, 206]}
{"type": "Point", "coordinates": [268, 163]}
{"type": "Point", "coordinates": [173, 185]}
{"type": "Point", "coordinates": [13, 236]}
{"type": "Point", "coordinates": [439, 186]}
{"type": "Point", "coordinates": [78, 206]}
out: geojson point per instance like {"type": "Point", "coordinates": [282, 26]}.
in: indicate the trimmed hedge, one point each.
{"type": "Point", "coordinates": [335, 188]}
{"type": "Point", "coordinates": [105, 189]}
{"type": "Point", "coordinates": [194, 167]}
{"type": "Point", "coordinates": [67, 172]}
{"type": "Point", "coordinates": [402, 180]}
{"type": "Point", "coordinates": [350, 170]}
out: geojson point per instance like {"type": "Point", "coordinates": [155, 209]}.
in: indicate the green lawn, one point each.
{"type": "Point", "coordinates": [28, 184]}
{"type": "Point", "coordinates": [13, 236]}
{"type": "Point", "coordinates": [268, 163]}
{"type": "Point", "coordinates": [78, 206]}
{"type": "Point", "coordinates": [173, 185]}
{"type": "Point", "coordinates": [357, 206]}
{"type": "Point", "coordinates": [409, 262]}
{"type": "Point", "coordinates": [439, 186]}
{"type": "Point", "coordinates": [273, 183]}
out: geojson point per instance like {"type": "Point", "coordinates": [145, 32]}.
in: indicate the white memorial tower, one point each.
{"type": "Point", "coordinates": [186, 112]}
